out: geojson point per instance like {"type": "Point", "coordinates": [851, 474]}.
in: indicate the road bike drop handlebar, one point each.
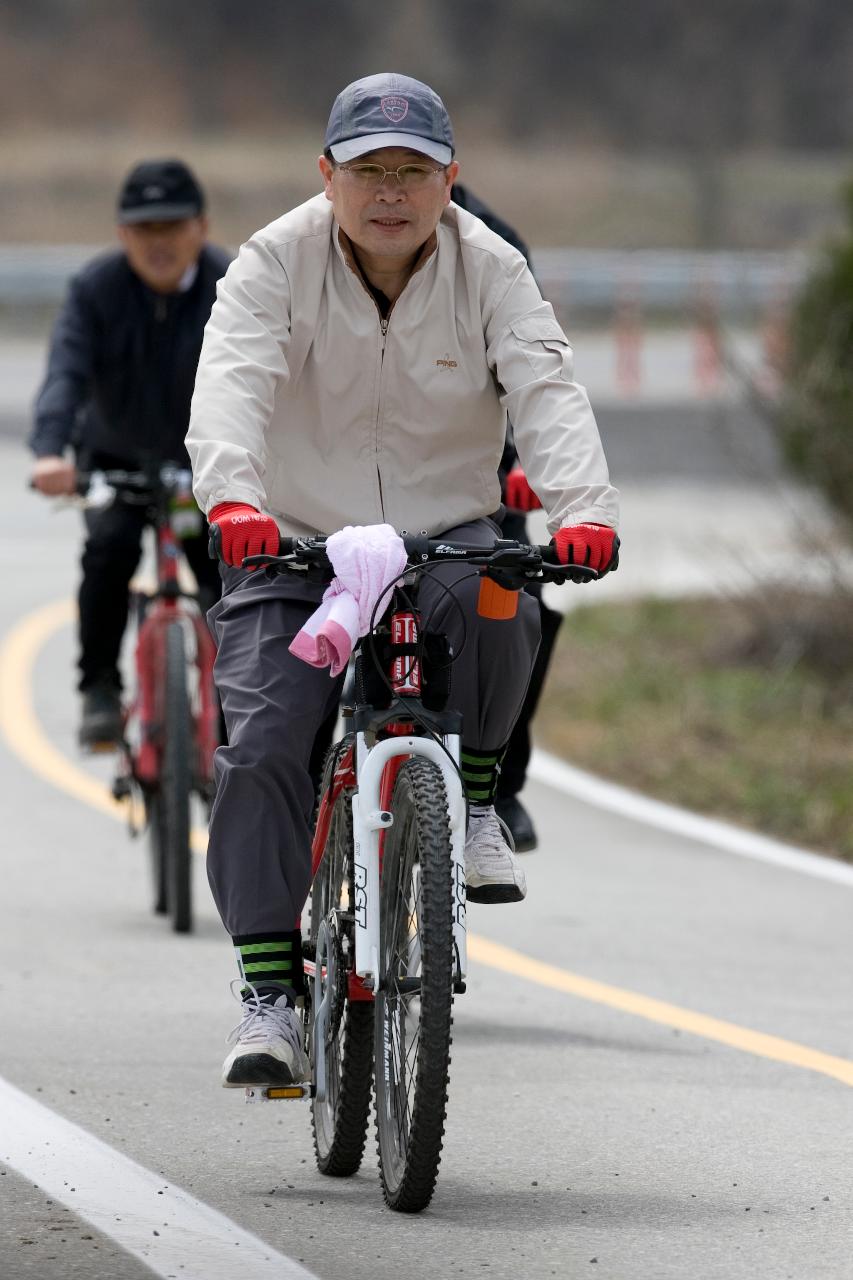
{"type": "Point", "coordinates": [511, 564]}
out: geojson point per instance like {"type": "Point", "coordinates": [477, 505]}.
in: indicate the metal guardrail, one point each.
{"type": "Point", "coordinates": [733, 283]}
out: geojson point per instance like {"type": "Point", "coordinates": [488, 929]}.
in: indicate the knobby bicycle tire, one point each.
{"type": "Point", "coordinates": [416, 943]}
{"type": "Point", "coordinates": [341, 1121]}
{"type": "Point", "coordinates": [176, 781]}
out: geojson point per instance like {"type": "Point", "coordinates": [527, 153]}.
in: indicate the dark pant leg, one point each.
{"type": "Point", "coordinates": [514, 768]}
{"type": "Point", "coordinates": [110, 556]}
{"type": "Point", "coordinates": [494, 658]}
{"type": "Point", "coordinates": [206, 571]}
{"type": "Point", "coordinates": [259, 853]}
{"type": "Point", "coordinates": [322, 742]}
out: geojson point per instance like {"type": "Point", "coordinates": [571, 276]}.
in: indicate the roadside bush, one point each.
{"type": "Point", "coordinates": [817, 406]}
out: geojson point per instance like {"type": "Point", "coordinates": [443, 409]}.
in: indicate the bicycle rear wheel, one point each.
{"type": "Point", "coordinates": [341, 1119]}
{"type": "Point", "coordinates": [176, 782]}
{"type": "Point", "coordinates": [414, 1004]}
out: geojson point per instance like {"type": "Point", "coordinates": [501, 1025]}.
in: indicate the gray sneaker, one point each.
{"type": "Point", "coordinates": [492, 871]}
{"type": "Point", "coordinates": [269, 1047]}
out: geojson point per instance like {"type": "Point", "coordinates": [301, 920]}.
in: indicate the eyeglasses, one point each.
{"type": "Point", "coordinates": [409, 176]}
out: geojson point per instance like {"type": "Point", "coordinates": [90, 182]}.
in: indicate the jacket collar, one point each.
{"type": "Point", "coordinates": [344, 249]}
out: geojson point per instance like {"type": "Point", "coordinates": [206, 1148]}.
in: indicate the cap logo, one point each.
{"type": "Point", "coordinates": [394, 109]}
{"type": "Point", "coordinates": [153, 193]}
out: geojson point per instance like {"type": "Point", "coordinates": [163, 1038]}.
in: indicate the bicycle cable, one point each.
{"type": "Point", "coordinates": [422, 569]}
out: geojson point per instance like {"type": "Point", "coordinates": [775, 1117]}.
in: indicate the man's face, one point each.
{"type": "Point", "coordinates": [389, 220]}
{"type": "Point", "coordinates": [161, 252]}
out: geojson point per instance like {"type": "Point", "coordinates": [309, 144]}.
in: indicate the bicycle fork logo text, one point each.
{"type": "Point", "coordinates": [360, 906]}
{"type": "Point", "coordinates": [459, 904]}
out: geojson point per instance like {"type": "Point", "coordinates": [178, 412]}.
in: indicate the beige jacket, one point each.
{"type": "Point", "coordinates": [309, 406]}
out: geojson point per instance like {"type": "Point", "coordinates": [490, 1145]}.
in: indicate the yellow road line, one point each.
{"type": "Point", "coordinates": [667, 1015]}
{"type": "Point", "coordinates": [26, 739]}
{"type": "Point", "coordinates": [20, 725]}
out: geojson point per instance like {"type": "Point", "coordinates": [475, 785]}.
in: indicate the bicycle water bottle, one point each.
{"type": "Point", "coordinates": [405, 670]}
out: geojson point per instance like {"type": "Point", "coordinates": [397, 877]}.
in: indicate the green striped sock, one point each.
{"type": "Point", "coordinates": [270, 957]}
{"type": "Point", "coordinates": [480, 772]}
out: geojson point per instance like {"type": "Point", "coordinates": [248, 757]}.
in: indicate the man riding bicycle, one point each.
{"type": "Point", "coordinates": [357, 368]}
{"type": "Point", "coordinates": [118, 386]}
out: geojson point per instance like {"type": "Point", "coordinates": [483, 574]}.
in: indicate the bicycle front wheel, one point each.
{"type": "Point", "coordinates": [157, 853]}
{"type": "Point", "coordinates": [176, 782]}
{"type": "Point", "coordinates": [414, 1003]}
{"type": "Point", "coordinates": [340, 1119]}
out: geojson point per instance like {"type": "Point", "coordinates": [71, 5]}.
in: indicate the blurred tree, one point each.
{"type": "Point", "coordinates": [817, 417]}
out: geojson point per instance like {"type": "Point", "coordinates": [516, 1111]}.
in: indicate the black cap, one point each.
{"type": "Point", "coordinates": [160, 191]}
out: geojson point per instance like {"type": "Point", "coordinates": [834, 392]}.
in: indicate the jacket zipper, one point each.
{"type": "Point", "coordinates": [383, 327]}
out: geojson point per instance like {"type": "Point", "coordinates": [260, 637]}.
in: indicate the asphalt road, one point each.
{"type": "Point", "coordinates": [582, 1138]}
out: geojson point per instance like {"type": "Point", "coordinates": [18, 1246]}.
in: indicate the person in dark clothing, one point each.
{"type": "Point", "coordinates": [120, 376]}
{"type": "Point", "coordinates": [519, 499]}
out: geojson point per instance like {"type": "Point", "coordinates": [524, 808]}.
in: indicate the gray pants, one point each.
{"type": "Point", "coordinates": [259, 853]}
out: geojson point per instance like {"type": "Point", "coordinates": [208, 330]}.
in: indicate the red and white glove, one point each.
{"type": "Point", "coordinates": [518, 494]}
{"type": "Point", "coordinates": [593, 545]}
{"type": "Point", "coordinates": [243, 531]}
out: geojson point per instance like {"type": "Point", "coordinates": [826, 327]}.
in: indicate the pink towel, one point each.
{"type": "Point", "coordinates": [367, 560]}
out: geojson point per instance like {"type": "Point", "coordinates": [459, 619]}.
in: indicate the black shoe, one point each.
{"type": "Point", "coordinates": [101, 727]}
{"type": "Point", "coordinates": [511, 811]}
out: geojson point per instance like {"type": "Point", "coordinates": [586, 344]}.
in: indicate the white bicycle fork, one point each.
{"type": "Point", "coordinates": [369, 819]}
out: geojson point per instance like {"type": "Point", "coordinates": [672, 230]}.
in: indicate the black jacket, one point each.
{"type": "Point", "coordinates": [122, 363]}
{"type": "Point", "coordinates": [467, 200]}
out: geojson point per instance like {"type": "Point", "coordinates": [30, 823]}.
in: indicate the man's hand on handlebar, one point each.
{"type": "Point", "coordinates": [54, 476]}
{"type": "Point", "coordinates": [594, 546]}
{"type": "Point", "coordinates": [238, 530]}
{"type": "Point", "coordinates": [518, 494]}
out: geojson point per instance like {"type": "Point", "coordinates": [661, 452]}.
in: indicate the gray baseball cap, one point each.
{"type": "Point", "coordinates": [389, 110]}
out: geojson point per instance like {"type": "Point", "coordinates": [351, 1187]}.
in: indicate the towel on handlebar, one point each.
{"type": "Point", "coordinates": [367, 560]}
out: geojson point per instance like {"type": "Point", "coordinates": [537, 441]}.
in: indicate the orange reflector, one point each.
{"type": "Point", "coordinates": [285, 1091]}
{"type": "Point", "coordinates": [495, 601]}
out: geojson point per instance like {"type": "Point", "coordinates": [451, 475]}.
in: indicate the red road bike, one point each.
{"type": "Point", "coordinates": [171, 721]}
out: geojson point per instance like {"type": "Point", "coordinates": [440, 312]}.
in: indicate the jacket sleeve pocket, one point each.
{"type": "Point", "coordinates": [541, 339]}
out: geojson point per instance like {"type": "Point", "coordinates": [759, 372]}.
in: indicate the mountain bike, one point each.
{"type": "Point", "coordinates": [171, 721]}
{"type": "Point", "coordinates": [385, 949]}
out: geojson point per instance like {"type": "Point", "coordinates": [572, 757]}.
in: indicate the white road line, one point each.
{"type": "Point", "coordinates": [164, 1226]}
{"type": "Point", "coordinates": [667, 817]}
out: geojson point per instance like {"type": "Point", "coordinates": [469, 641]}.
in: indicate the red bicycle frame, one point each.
{"type": "Point", "coordinates": [405, 679]}
{"type": "Point", "coordinates": [166, 608]}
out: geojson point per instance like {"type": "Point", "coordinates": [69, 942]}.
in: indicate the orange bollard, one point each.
{"type": "Point", "coordinates": [629, 342]}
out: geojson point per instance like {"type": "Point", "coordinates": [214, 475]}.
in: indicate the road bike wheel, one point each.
{"type": "Point", "coordinates": [176, 781]}
{"type": "Point", "coordinates": [415, 1000]}
{"type": "Point", "coordinates": [157, 853]}
{"type": "Point", "coordinates": [341, 1120]}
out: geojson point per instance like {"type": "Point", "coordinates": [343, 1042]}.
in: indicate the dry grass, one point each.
{"type": "Point", "coordinates": [698, 704]}
{"type": "Point", "coordinates": [60, 188]}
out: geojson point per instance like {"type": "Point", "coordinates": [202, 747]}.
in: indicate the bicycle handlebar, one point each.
{"type": "Point", "coordinates": [505, 559]}
{"type": "Point", "coordinates": [141, 483]}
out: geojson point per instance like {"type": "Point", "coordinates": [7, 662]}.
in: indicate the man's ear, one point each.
{"type": "Point", "coordinates": [452, 172]}
{"type": "Point", "coordinates": [326, 169]}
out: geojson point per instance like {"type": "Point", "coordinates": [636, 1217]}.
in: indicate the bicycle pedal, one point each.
{"type": "Point", "coordinates": [122, 787]}
{"type": "Point", "coordinates": [279, 1092]}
